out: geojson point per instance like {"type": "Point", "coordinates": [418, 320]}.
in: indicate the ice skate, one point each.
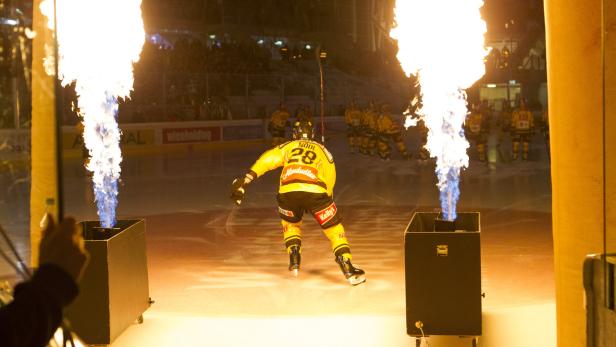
{"type": "Point", "coordinates": [294, 260]}
{"type": "Point", "coordinates": [353, 274]}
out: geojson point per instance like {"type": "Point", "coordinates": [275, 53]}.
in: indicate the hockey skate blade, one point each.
{"type": "Point", "coordinates": [295, 272]}
{"type": "Point", "coordinates": [355, 280]}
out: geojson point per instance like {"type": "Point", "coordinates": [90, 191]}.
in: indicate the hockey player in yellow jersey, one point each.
{"type": "Point", "coordinates": [522, 125]}
{"type": "Point", "coordinates": [352, 118]}
{"type": "Point", "coordinates": [369, 130]}
{"type": "Point", "coordinates": [306, 185]}
{"type": "Point", "coordinates": [476, 130]}
{"type": "Point", "coordinates": [277, 125]}
{"type": "Point", "coordinates": [388, 130]}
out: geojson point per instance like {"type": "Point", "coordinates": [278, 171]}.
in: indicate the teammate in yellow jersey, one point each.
{"type": "Point", "coordinates": [476, 129]}
{"type": "Point", "coordinates": [352, 118]}
{"type": "Point", "coordinates": [523, 126]}
{"type": "Point", "coordinates": [389, 129]}
{"type": "Point", "coordinates": [278, 123]}
{"type": "Point", "coordinates": [306, 184]}
{"type": "Point", "coordinates": [369, 130]}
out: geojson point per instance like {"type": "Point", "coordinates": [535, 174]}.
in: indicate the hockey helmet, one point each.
{"type": "Point", "coordinates": [303, 131]}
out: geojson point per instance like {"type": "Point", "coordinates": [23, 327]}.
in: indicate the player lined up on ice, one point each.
{"type": "Point", "coordinates": [523, 126]}
{"type": "Point", "coordinates": [476, 128]}
{"type": "Point", "coordinates": [306, 185]}
{"type": "Point", "coordinates": [279, 121]}
{"type": "Point", "coordinates": [372, 130]}
{"type": "Point", "coordinates": [278, 124]}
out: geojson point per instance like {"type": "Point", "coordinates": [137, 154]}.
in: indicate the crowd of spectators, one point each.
{"type": "Point", "coordinates": [224, 55]}
{"type": "Point", "coordinates": [513, 17]}
{"type": "Point", "coordinates": [195, 56]}
{"type": "Point", "coordinates": [523, 62]}
{"type": "Point", "coordinates": [203, 71]}
{"type": "Point", "coordinates": [191, 78]}
{"type": "Point", "coordinates": [292, 16]}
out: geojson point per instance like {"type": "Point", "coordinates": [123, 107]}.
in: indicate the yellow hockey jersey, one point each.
{"type": "Point", "coordinates": [353, 116]}
{"type": "Point", "coordinates": [369, 119]}
{"type": "Point", "coordinates": [387, 125]}
{"type": "Point", "coordinates": [474, 123]}
{"type": "Point", "coordinates": [522, 120]}
{"type": "Point", "coordinates": [307, 166]}
{"type": "Point", "coordinates": [279, 118]}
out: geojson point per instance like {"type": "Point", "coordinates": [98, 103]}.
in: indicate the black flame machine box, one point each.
{"type": "Point", "coordinates": [114, 289]}
{"type": "Point", "coordinates": [443, 275]}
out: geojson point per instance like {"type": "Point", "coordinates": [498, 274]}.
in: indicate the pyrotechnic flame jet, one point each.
{"type": "Point", "coordinates": [98, 42]}
{"type": "Point", "coordinates": [442, 42]}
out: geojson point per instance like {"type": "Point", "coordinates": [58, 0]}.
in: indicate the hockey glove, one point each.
{"type": "Point", "coordinates": [237, 187]}
{"type": "Point", "coordinates": [237, 190]}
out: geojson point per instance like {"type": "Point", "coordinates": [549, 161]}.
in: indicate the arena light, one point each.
{"type": "Point", "coordinates": [98, 42]}
{"type": "Point", "coordinates": [427, 32]}
{"type": "Point", "coordinates": [159, 41]}
{"type": "Point", "coordinates": [9, 21]}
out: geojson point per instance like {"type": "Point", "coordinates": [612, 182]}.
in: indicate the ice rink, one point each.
{"type": "Point", "coordinates": [218, 273]}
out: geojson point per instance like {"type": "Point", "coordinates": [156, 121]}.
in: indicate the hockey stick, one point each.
{"type": "Point", "coordinates": [322, 92]}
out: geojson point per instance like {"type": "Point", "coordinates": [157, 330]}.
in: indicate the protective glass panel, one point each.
{"type": "Point", "coordinates": [18, 79]}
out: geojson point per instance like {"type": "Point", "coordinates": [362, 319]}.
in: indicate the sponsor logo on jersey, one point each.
{"type": "Point", "coordinates": [326, 214]}
{"type": "Point", "coordinates": [284, 212]}
{"type": "Point", "coordinates": [523, 124]}
{"type": "Point", "coordinates": [523, 120]}
{"type": "Point", "coordinates": [299, 172]}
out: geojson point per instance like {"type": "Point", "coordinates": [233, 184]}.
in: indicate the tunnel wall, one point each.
{"type": "Point", "coordinates": [575, 85]}
{"type": "Point", "coordinates": [610, 123]}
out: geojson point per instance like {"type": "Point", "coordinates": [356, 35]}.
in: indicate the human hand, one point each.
{"type": "Point", "coordinates": [64, 246]}
{"type": "Point", "coordinates": [237, 190]}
